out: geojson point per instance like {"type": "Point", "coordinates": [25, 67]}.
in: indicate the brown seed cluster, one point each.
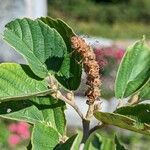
{"type": "Point", "coordinates": [91, 68]}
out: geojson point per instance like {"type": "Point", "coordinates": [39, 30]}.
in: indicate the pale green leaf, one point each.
{"type": "Point", "coordinates": [36, 42]}
{"type": "Point", "coordinates": [134, 70]}
{"type": "Point", "coordinates": [140, 112]}
{"type": "Point", "coordinates": [44, 137]}
{"type": "Point", "coordinates": [128, 118]}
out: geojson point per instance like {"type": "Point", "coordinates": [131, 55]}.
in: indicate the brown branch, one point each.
{"type": "Point", "coordinates": [86, 129]}
{"type": "Point", "coordinates": [97, 127]}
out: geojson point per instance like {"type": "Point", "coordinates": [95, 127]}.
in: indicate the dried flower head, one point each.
{"type": "Point", "coordinates": [91, 68]}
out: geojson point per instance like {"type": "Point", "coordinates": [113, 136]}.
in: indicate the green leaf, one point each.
{"type": "Point", "coordinates": [107, 144]}
{"type": "Point", "coordinates": [68, 144]}
{"type": "Point", "coordinates": [134, 70]}
{"type": "Point", "coordinates": [75, 69]}
{"type": "Point", "coordinates": [73, 143]}
{"type": "Point", "coordinates": [123, 121]}
{"type": "Point", "coordinates": [77, 141]}
{"type": "Point", "coordinates": [42, 109]}
{"type": "Point", "coordinates": [4, 133]}
{"type": "Point", "coordinates": [44, 137]}
{"type": "Point", "coordinates": [140, 112]}
{"type": "Point", "coordinates": [99, 141]}
{"type": "Point", "coordinates": [37, 43]}
{"type": "Point", "coordinates": [119, 146]}
{"type": "Point", "coordinates": [144, 93]}
{"type": "Point", "coordinates": [93, 143]}
{"type": "Point", "coordinates": [15, 84]}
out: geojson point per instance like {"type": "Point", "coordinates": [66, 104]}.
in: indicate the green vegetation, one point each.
{"type": "Point", "coordinates": [116, 31]}
{"type": "Point", "coordinates": [38, 91]}
{"type": "Point", "coordinates": [114, 19]}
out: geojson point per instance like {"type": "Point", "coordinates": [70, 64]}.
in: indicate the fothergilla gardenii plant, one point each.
{"type": "Point", "coordinates": [37, 92]}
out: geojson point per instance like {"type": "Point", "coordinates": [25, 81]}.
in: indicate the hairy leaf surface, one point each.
{"type": "Point", "coordinates": [44, 137]}
{"type": "Point", "coordinates": [37, 43]}
{"type": "Point", "coordinates": [75, 69]}
{"type": "Point", "coordinates": [15, 84]}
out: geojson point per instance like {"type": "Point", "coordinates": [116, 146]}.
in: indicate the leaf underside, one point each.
{"type": "Point", "coordinates": [134, 70]}
{"type": "Point", "coordinates": [131, 118]}
{"type": "Point", "coordinates": [140, 112]}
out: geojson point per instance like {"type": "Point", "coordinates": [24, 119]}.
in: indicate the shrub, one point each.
{"type": "Point", "coordinates": [37, 92]}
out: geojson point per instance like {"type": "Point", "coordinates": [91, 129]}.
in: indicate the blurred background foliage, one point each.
{"type": "Point", "coordinates": [107, 18]}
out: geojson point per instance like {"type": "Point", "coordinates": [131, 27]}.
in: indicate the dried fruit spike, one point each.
{"type": "Point", "coordinates": [91, 68]}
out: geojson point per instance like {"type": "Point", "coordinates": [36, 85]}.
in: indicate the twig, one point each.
{"type": "Point", "coordinates": [86, 123]}
{"type": "Point", "coordinates": [86, 129]}
{"type": "Point", "coordinates": [69, 99]}
{"type": "Point", "coordinates": [97, 127]}
{"type": "Point", "coordinates": [59, 95]}
{"type": "Point", "coordinates": [89, 113]}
